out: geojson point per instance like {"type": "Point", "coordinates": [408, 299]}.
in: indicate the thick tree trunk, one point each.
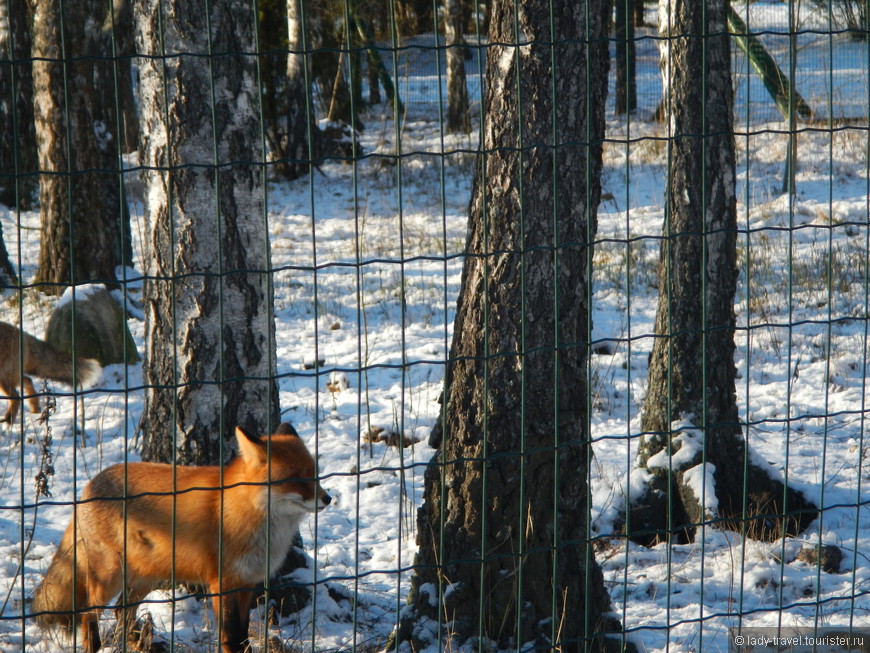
{"type": "Point", "coordinates": [18, 161]}
{"type": "Point", "coordinates": [210, 337]}
{"type": "Point", "coordinates": [503, 530]}
{"type": "Point", "coordinates": [691, 404]}
{"type": "Point", "coordinates": [458, 119]}
{"type": "Point", "coordinates": [83, 214]}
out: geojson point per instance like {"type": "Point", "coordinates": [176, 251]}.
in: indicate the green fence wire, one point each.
{"type": "Point", "coordinates": [289, 233]}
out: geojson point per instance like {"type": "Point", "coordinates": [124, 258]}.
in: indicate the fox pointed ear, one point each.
{"type": "Point", "coordinates": [286, 428]}
{"type": "Point", "coordinates": [251, 448]}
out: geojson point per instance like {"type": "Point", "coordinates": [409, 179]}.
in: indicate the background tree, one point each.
{"type": "Point", "coordinates": [18, 161]}
{"type": "Point", "coordinates": [299, 113]}
{"type": "Point", "coordinates": [328, 31]}
{"type": "Point", "coordinates": [371, 21]}
{"type": "Point", "coordinates": [210, 334]}
{"type": "Point", "coordinates": [286, 94]}
{"type": "Point", "coordinates": [84, 221]}
{"type": "Point", "coordinates": [375, 22]}
{"type": "Point", "coordinates": [414, 16]}
{"type": "Point", "coordinates": [8, 275]}
{"type": "Point", "coordinates": [16, 119]}
{"type": "Point", "coordinates": [458, 119]}
{"type": "Point", "coordinates": [118, 40]}
{"type": "Point", "coordinates": [503, 528]}
{"type": "Point", "coordinates": [637, 11]}
{"type": "Point", "coordinates": [691, 404]}
{"type": "Point", "coordinates": [340, 35]}
{"type": "Point", "coordinates": [626, 86]}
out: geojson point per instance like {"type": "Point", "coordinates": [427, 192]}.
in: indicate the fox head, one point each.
{"type": "Point", "coordinates": [286, 469]}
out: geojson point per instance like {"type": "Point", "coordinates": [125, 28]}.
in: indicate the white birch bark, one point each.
{"type": "Point", "coordinates": [210, 359]}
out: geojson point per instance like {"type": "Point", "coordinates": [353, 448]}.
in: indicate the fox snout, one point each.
{"type": "Point", "coordinates": [323, 499]}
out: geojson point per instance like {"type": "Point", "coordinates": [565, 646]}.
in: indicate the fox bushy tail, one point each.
{"type": "Point", "coordinates": [48, 362]}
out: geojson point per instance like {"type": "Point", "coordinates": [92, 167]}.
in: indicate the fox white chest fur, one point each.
{"type": "Point", "coordinates": [287, 511]}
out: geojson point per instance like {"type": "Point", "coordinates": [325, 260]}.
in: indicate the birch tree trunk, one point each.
{"type": "Point", "coordinates": [691, 404]}
{"type": "Point", "coordinates": [84, 220]}
{"type": "Point", "coordinates": [210, 335]}
{"type": "Point", "coordinates": [503, 531]}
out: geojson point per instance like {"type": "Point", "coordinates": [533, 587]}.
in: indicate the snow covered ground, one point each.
{"type": "Point", "coordinates": [367, 261]}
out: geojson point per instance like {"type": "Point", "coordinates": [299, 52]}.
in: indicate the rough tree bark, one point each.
{"type": "Point", "coordinates": [504, 550]}
{"type": "Point", "coordinates": [458, 118]}
{"type": "Point", "coordinates": [210, 335]}
{"type": "Point", "coordinates": [84, 220]}
{"type": "Point", "coordinates": [694, 438]}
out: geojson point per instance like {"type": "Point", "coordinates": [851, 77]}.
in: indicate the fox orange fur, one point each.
{"type": "Point", "coordinates": [152, 522]}
{"type": "Point", "coordinates": [40, 359]}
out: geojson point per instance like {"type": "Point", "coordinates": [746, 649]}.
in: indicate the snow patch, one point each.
{"type": "Point", "coordinates": [79, 293]}
{"type": "Point", "coordinates": [686, 446]}
{"type": "Point", "coordinates": [700, 479]}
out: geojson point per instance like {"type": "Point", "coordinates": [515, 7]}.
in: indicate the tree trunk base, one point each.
{"type": "Point", "coordinates": [771, 511]}
{"type": "Point", "coordinates": [419, 633]}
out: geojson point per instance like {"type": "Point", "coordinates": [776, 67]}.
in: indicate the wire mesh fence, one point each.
{"type": "Point", "coordinates": [559, 376]}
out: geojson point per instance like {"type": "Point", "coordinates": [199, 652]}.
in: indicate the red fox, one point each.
{"type": "Point", "coordinates": [151, 523]}
{"type": "Point", "coordinates": [40, 359]}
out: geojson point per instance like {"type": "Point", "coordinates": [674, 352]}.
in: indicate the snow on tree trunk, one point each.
{"type": "Point", "coordinates": [504, 550]}
{"type": "Point", "coordinates": [690, 412]}
{"type": "Point", "coordinates": [84, 232]}
{"type": "Point", "coordinates": [210, 336]}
